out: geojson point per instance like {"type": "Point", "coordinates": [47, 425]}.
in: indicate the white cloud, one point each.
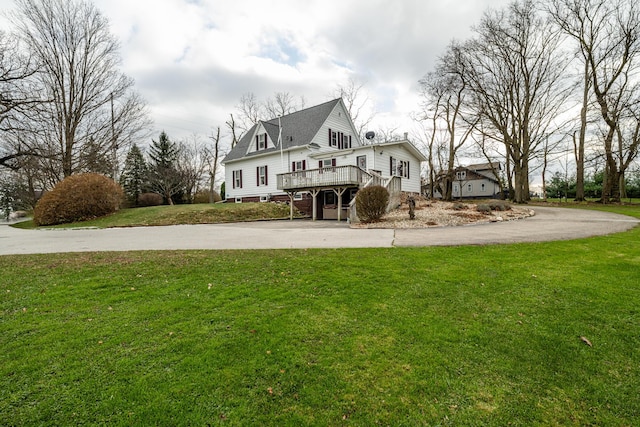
{"type": "Point", "coordinates": [193, 59]}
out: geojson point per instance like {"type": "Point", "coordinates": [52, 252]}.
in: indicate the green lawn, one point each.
{"type": "Point", "coordinates": [184, 214]}
{"type": "Point", "coordinates": [479, 335]}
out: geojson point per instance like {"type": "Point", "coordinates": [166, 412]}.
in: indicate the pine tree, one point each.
{"type": "Point", "coordinates": [134, 175]}
{"type": "Point", "coordinates": [163, 153]}
{"type": "Point", "coordinates": [164, 176]}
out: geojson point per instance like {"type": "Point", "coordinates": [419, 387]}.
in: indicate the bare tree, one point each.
{"type": "Point", "coordinates": [89, 99]}
{"type": "Point", "coordinates": [281, 104]}
{"type": "Point", "coordinates": [358, 104]}
{"type": "Point", "coordinates": [251, 112]}
{"type": "Point", "coordinates": [18, 95]}
{"type": "Point", "coordinates": [608, 34]}
{"type": "Point", "coordinates": [233, 128]}
{"type": "Point", "coordinates": [213, 156]}
{"type": "Point", "coordinates": [513, 69]}
{"type": "Point", "coordinates": [448, 87]}
{"type": "Point", "coordinates": [579, 138]}
{"type": "Point", "coordinates": [191, 163]}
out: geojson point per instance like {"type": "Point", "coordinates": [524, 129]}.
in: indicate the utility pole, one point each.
{"type": "Point", "coordinates": [114, 147]}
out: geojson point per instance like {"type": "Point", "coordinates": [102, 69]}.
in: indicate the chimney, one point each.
{"type": "Point", "coordinates": [406, 135]}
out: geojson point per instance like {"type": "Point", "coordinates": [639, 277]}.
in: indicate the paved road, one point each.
{"type": "Point", "coordinates": [548, 224]}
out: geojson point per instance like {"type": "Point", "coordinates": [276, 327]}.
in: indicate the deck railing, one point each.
{"type": "Point", "coordinates": [334, 176]}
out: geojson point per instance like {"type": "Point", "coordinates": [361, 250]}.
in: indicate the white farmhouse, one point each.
{"type": "Point", "coordinates": [315, 159]}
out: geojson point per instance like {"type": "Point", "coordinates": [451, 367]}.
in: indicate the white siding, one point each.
{"type": "Point", "coordinates": [382, 162]}
{"type": "Point", "coordinates": [249, 176]}
{"type": "Point", "coordinates": [337, 121]}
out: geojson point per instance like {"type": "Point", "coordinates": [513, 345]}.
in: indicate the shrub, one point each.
{"type": "Point", "coordinates": [459, 206]}
{"type": "Point", "coordinates": [499, 205]}
{"type": "Point", "coordinates": [371, 203]}
{"type": "Point", "coordinates": [78, 198]}
{"type": "Point", "coordinates": [150, 199]}
{"type": "Point", "coordinates": [203, 197]}
{"type": "Point", "coordinates": [484, 208]}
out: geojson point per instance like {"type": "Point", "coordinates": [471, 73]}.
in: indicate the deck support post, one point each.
{"type": "Point", "coordinates": [291, 194]}
{"type": "Point", "coordinates": [314, 209]}
{"type": "Point", "coordinates": [340, 191]}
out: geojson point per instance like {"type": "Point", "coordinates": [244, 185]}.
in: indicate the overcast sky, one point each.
{"type": "Point", "coordinates": [193, 59]}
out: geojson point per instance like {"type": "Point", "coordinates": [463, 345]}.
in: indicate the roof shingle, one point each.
{"type": "Point", "coordinates": [298, 129]}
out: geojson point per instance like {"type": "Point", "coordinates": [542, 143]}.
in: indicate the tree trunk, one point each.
{"type": "Point", "coordinates": [544, 180]}
{"type": "Point", "coordinates": [611, 182]}
{"type": "Point", "coordinates": [579, 147]}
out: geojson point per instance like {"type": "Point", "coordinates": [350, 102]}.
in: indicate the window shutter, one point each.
{"type": "Point", "coordinates": [391, 166]}
{"type": "Point", "coordinates": [320, 165]}
{"type": "Point", "coordinates": [304, 165]}
{"type": "Point", "coordinates": [408, 171]}
{"type": "Point", "coordinates": [293, 166]}
{"type": "Point", "coordinates": [329, 137]}
{"type": "Point", "coordinates": [257, 143]}
{"type": "Point", "coordinates": [333, 162]}
{"type": "Point", "coordinates": [349, 141]}
{"type": "Point", "coordinates": [240, 178]}
{"type": "Point", "coordinates": [266, 175]}
{"type": "Point", "coordinates": [258, 176]}
{"type": "Point", "coordinates": [233, 179]}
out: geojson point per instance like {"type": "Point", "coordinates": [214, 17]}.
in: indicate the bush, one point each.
{"type": "Point", "coordinates": [150, 199]}
{"type": "Point", "coordinates": [203, 197]}
{"type": "Point", "coordinates": [459, 206]}
{"type": "Point", "coordinates": [371, 203]}
{"type": "Point", "coordinates": [78, 198]}
{"type": "Point", "coordinates": [484, 208]}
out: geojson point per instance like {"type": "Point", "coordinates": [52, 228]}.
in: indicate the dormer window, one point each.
{"type": "Point", "coordinates": [261, 141]}
{"type": "Point", "coordinates": [333, 138]}
{"type": "Point", "coordinates": [339, 140]}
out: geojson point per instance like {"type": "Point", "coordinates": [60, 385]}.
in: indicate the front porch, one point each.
{"type": "Point", "coordinates": [340, 180]}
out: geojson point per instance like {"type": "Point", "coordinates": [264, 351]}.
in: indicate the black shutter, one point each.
{"type": "Point", "coordinates": [329, 137]}
{"type": "Point", "coordinates": [333, 162]}
{"type": "Point", "coordinates": [408, 171]}
{"type": "Point", "coordinates": [304, 165]}
{"type": "Point", "coordinates": [293, 166]}
{"type": "Point", "coordinates": [233, 178]}
{"type": "Point", "coordinates": [240, 178]}
{"type": "Point", "coordinates": [258, 176]}
{"type": "Point", "coordinates": [266, 175]}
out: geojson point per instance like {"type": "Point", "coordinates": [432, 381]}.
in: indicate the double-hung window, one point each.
{"type": "Point", "coordinates": [262, 178]}
{"type": "Point", "coordinates": [261, 141]}
{"type": "Point", "coordinates": [237, 179]}
{"type": "Point", "coordinates": [299, 165]}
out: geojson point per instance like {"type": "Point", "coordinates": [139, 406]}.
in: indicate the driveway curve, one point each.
{"type": "Point", "coordinates": [547, 224]}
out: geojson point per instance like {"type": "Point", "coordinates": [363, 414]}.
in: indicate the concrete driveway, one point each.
{"type": "Point", "coordinates": [548, 224]}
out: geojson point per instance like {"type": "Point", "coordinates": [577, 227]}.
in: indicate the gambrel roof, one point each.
{"type": "Point", "coordinates": [298, 129]}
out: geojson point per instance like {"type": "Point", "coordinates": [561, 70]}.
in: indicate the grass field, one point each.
{"type": "Point", "coordinates": [482, 335]}
{"type": "Point", "coordinates": [183, 214]}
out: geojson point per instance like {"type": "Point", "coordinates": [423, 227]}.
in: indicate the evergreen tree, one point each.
{"type": "Point", "coordinates": [165, 177]}
{"type": "Point", "coordinates": [163, 152]}
{"type": "Point", "coordinates": [134, 175]}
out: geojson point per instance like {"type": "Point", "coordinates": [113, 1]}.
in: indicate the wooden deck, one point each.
{"type": "Point", "coordinates": [329, 177]}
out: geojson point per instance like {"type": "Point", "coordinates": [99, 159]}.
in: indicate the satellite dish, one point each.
{"type": "Point", "coordinates": [370, 135]}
